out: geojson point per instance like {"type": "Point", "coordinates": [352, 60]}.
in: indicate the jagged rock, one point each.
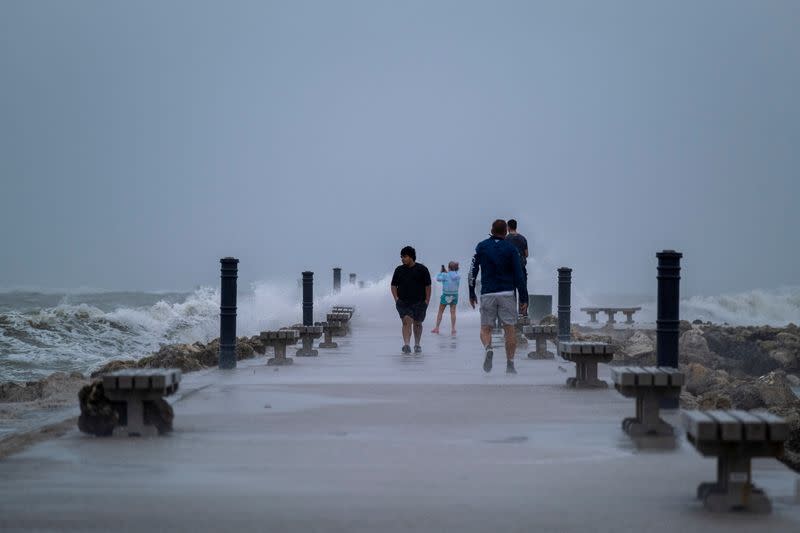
{"type": "Point", "coordinates": [714, 400]}
{"type": "Point", "coordinates": [746, 396]}
{"type": "Point", "coordinates": [244, 350]}
{"type": "Point", "coordinates": [258, 345]}
{"type": "Point", "coordinates": [19, 392]}
{"type": "Point", "coordinates": [687, 400]}
{"type": "Point", "coordinates": [187, 357]}
{"type": "Point", "coordinates": [159, 413]}
{"type": "Point", "coordinates": [55, 383]}
{"type": "Point", "coordinates": [793, 380]}
{"type": "Point", "coordinates": [698, 378]}
{"type": "Point", "coordinates": [693, 348]}
{"type": "Point", "coordinates": [638, 348]}
{"type": "Point", "coordinates": [112, 366]}
{"type": "Point", "coordinates": [791, 448]}
{"type": "Point", "coordinates": [776, 390]}
{"type": "Point", "coordinates": [99, 416]}
{"type": "Point", "coordinates": [739, 348]}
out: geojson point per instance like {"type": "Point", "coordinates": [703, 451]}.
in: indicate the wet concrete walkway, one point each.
{"type": "Point", "coordinates": [363, 438]}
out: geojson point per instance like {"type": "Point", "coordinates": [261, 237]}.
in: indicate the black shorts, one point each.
{"type": "Point", "coordinates": [416, 311]}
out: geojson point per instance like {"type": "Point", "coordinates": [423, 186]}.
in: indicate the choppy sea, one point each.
{"type": "Point", "coordinates": [46, 331]}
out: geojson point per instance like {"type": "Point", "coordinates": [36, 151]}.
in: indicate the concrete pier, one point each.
{"type": "Point", "coordinates": [370, 440]}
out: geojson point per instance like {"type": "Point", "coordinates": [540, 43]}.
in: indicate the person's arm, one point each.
{"type": "Point", "coordinates": [427, 286]}
{"type": "Point", "coordinates": [473, 276]}
{"type": "Point", "coordinates": [394, 285]}
{"type": "Point", "coordinates": [525, 251]}
{"type": "Point", "coordinates": [441, 276]}
{"type": "Point", "coordinates": [519, 281]}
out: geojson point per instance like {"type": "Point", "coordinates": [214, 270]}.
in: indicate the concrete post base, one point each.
{"type": "Point", "coordinates": [637, 428]}
{"type": "Point", "coordinates": [541, 356]}
{"type": "Point", "coordinates": [586, 384]}
{"type": "Point", "coordinates": [279, 361]}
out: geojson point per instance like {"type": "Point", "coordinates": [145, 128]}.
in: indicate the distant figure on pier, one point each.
{"type": "Point", "coordinates": [450, 279]}
{"type": "Point", "coordinates": [411, 289]}
{"type": "Point", "coordinates": [500, 266]}
{"type": "Point", "coordinates": [521, 244]}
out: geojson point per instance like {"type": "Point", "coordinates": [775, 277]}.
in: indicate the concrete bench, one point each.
{"type": "Point", "coordinates": [522, 322]}
{"type": "Point", "coordinates": [648, 385]}
{"type": "Point", "coordinates": [610, 311]}
{"type": "Point", "coordinates": [133, 387]}
{"type": "Point", "coordinates": [586, 356]}
{"type": "Point", "coordinates": [541, 334]}
{"type": "Point", "coordinates": [735, 437]}
{"type": "Point", "coordinates": [343, 319]}
{"type": "Point", "coordinates": [279, 340]}
{"type": "Point", "coordinates": [343, 309]}
{"type": "Point", "coordinates": [329, 329]}
{"type": "Point", "coordinates": [307, 335]}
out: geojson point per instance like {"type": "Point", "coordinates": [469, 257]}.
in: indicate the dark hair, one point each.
{"type": "Point", "coordinates": [409, 251]}
{"type": "Point", "coordinates": [512, 224]}
{"type": "Point", "coordinates": [499, 228]}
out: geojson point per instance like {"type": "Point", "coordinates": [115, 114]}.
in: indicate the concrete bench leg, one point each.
{"type": "Point", "coordinates": [328, 343]}
{"type": "Point", "coordinates": [733, 490]}
{"type": "Point", "coordinates": [611, 317]}
{"type": "Point", "coordinates": [592, 316]}
{"type": "Point", "coordinates": [541, 349]}
{"type": "Point", "coordinates": [629, 317]}
{"type": "Point", "coordinates": [134, 406]}
{"type": "Point", "coordinates": [647, 421]}
{"type": "Point", "coordinates": [308, 347]}
{"type": "Point", "coordinates": [280, 356]}
{"type": "Point", "coordinates": [586, 376]}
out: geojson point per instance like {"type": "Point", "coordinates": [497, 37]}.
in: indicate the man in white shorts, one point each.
{"type": "Point", "coordinates": [500, 267]}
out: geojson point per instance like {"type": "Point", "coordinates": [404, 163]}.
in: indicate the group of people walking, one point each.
{"type": "Point", "coordinates": [501, 262]}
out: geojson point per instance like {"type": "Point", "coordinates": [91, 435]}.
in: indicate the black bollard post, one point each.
{"type": "Point", "coordinates": [227, 312]}
{"type": "Point", "coordinates": [564, 293]}
{"type": "Point", "coordinates": [352, 279]}
{"type": "Point", "coordinates": [308, 298]}
{"type": "Point", "coordinates": [337, 280]}
{"type": "Point", "coordinates": [667, 314]}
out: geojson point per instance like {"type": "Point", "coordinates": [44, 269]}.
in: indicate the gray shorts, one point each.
{"type": "Point", "coordinates": [502, 306]}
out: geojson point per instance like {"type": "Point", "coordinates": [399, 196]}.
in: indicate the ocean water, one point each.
{"type": "Point", "coordinates": [44, 332]}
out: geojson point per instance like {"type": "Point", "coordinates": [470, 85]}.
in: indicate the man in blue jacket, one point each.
{"type": "Point", "coordinates": [501, 273]}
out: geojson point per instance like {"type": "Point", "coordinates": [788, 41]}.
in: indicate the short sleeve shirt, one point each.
{"type": "Point", "coordinates": [520, 243]}
{"type": "Point", "coordinates": [411, 282]}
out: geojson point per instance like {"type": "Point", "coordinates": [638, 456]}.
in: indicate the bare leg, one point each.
{"type": "Point", "coordinates": [438, 318]}
{"type": "Point", "coordinates": [511, 342]}
{"type": "Point", "coordinates": [453, 319]}
{"type": "Point", "coordinates": [407, 321]}
{"type": "Point", "coordinates": [417, 332]}
{"type": "Point", "coordinates": [486, 335]}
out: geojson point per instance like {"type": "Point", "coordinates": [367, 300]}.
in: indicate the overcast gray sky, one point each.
{"type": "Point", "coordinates": [142, 141]}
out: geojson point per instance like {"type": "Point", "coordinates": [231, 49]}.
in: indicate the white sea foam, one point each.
{"type": "Point", "coordinates": [774, 307]}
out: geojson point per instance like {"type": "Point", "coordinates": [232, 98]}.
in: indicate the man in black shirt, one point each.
{"type": "Point", "coordinates": [411, 289]}
{"type": "Point", "coordinates": [521, 244]}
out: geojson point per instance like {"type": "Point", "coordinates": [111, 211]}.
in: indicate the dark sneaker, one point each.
{"type": "Point", "coordinates": [406, 348]}
{"type": "Point", "coordinates": [487, 363]}
{"type": "Point", "coordinates": [510, 367]}
{"type": "Point", "coordinates": [417, 349]}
